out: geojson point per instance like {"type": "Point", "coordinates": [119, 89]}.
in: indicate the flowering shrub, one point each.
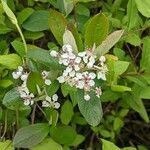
{"type": "Point", "coordinates": [70, 80]}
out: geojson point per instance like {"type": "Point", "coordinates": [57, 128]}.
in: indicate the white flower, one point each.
{"type": "Point", "coordinates": [55, 97]}
{"type": "Point", "coordinates": [78, 60]}
{"type": "Point", "coordinates": [16, 74]}
{"type": "Point", "coordinates": [87, 97]}
{"type": "Point", "coordinates": [54, 53]}
{"type": "Point", "coordinates": [80, 84]}
{"type": "Point", "coordinates": [72, 73]}
{"type": "Point", "coordinates": [91, 62]}
{"type": "Point", "coordinates": [91, 83]}
{"type": "Point", "coordinates": [47, 81]}
{"type": "Point", "coordinates": [79, 75]}
{"type": "Point", "coordinates": [69, 69]}
{"type": "Point", "coordinates": [48, 98]}
{"type": "Point", "coordinates": [61, 79]}
{"type": "Point", "coordinates": [20, 68]}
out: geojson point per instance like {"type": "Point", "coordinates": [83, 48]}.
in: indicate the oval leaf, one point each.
{"type": "Point", "coordinates": [30, 136]}
{"type": "Point", "coordinates": [109, 42]}
{"type": "Point", "coordinates": [96, 30]}
{"type": "Point", "coordinates": [92, 109]}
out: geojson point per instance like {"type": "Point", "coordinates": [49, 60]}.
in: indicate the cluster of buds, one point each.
{"type": "Point", "coordinates": [51, 102]}
{"type": "Point", "coordinates": [24, 92]}
{"type": "Point", "coordinates": [81, 69]}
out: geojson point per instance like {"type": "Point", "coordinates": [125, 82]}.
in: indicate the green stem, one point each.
{"type": "Point", "coordinates": [17, 119]}
{"type": "Point", "coordinates": [22, 37]}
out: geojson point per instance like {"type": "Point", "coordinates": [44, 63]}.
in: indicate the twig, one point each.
{"type": "Point", "coordinates": [33, 114]}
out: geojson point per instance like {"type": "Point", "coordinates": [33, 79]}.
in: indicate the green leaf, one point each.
{"type": "Point", "coordinates": [69, 39]}
{"type": "Point", "coordinates": [143, 7]}
{"type": "Point", "coordinates": [43, 57]}
{"type": "Point", "coordinates": [31, 135]}
{"type": "Point", "coordinates": [10, 61]}
{"type": "Point", "coordinates": [4, 29]}
{"type": "Point", "coordinates": [133, 39]}
{"type": "Point", "coordinates": [92, 109]}
{"type": "Point", "coordinates": [96, 30]}
{"type": "Point", "coordinates": [107, 145]}
{"type": "Point", "coordinates": [145, 60]}
{"type": "Point", "coordinates": [129, 148]}
{"type": "Point", "coordinates": [57, 24]}
{"type": "Point", "coordinates": [120, 88]}
{"type": "Point", "coordinates": [19, 47]}
{"type": "Point", "coordinates": [13, 101]}
{"type": "Point", "coordinates": [76, 35]}
{"type": "Point", "coordinates": [34, 80]}
{"type": "Point", "coordinates": [5, 83]}
{"type": "Point", "coordinates": [78, 140]}
{"type": "Point", "coordinates": [132, 14]}
{"type": "Point", "coordinates": [38, 21]}
{"type": "Point", "coordinates": [145, 92]}
{"type": "Point", "coordinates": [48, 144]}
{"type": "Point", "coordinates": [33, 35]}
{"type": "Point", "coordinates": [118, 124]}
{"type": "Point", "coordinates": [24, 15]}
{"type": "Point", "coordinates": [63, 134]}
{"type": "Point", "coordinates": [67, 5]}
{"type": "Point", "coordinates": [108, 43]}
{"type": "Point", "coordinates": [6, 145]}
{"type": "Point", "coordinates": [137, 105]}
{"type": "Point", "coordinates": [66, 110]}
{"type": "Point", "coordinates": [9, 13]}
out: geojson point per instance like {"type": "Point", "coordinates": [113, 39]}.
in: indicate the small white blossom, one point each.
{"type": "Point", "coordinates": [87, 97]}
{"type": "Point", "coordinates": [55, 97]}
{"type": "Point", "coordinates": [56, 105]}
{"type": "Point", "coordinates": [61, 79]}
{"type": "Point", "coordinates": [45, 74]}
{"type": "Point", "coordinates": [24, 77]}
{"type": "Point", "coordinates": [101, 75]}
{"type": "Point", "coordinates": [102, 59]}
{"type": "Point", "coordinates": [54, 53]}
{"type": "Point", "coordinates": [47, 81]}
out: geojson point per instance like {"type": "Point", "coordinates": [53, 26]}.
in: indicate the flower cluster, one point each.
{"type": "Point", "coordinates": [81, 69]}
{"type": "Point", "coordinates": [51, 102]}
{"type": "Point", "coordinates": [23, 90]}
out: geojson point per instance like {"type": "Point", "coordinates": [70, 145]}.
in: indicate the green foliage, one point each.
{"type": "Point", "coordinates": [115, 29]}
{"type": "Point", "coordinates": [30, 136]}
{"type": "Point", "coordinates": [96, 30]}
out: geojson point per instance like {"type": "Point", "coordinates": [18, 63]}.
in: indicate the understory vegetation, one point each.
{"type": "Point", "coordinates": [74, 74]}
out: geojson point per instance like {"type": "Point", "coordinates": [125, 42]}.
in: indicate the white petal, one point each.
{"type": "Point", "coordinates": [78, 60]}
{"type": "Point", "coordinates": [54, 53]}
{"type": "Point", "coordinates": [45, 104]}
{"type": "Point", "coordinates": [85, 59]}
{"type": "Point", "coordinates": [82, 54]}
{"type": "Point", "coordinates": [80, 84]}
{"type": "Point", "coordinates": [92, 75]}
{"type": "Point", "coordinates": [61, 79]}
{"type": "Point", "coordinates": [87, 97]}
{"type": "Point", "coordinates": [76, 67]}
{"type": "Point", "coordinates": [15, 76]}
{"type": "Point", "coordinates": [91, 83]}
{"type": "Point", "coordinates": [65, 55]}
{"type": "Point", "coordinates": [67, 48]}
{"type": "Point", "coordinates": [31, 95]}
{"type": "Point", "coordinates": [101, 75]}
{"type": "Point", "coordinates": [68, 69]}
{"type": "Point", "coordinates": [48, 98]}
{"type": "Point", "coordinates": [72, 73]}
{"type": "Point", "coordinates": [48, 82]}
{"type": "Point", "coordinates": [65, 62]}
{"type": "Point", "coordinates": [20, 68]}
{"type": "Point", "coordinates": [27, 102]}
{"type": "Point", "coordinates": [90, 65]}
{"type": "Point", "coordinates": [31, 102]}
{"type": "Point", "coordinates": [79, 75]}
{"type": "Point", "coordinates": [102, 59]}
{"type": "Point", "coordinates": [56, 105]}
{"type": "Point", "coordinates": [55, 97]}
{"type": "Point", "coordinates": [45, 73]}
{"type": "Point", "coordinates": [24, 77]}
